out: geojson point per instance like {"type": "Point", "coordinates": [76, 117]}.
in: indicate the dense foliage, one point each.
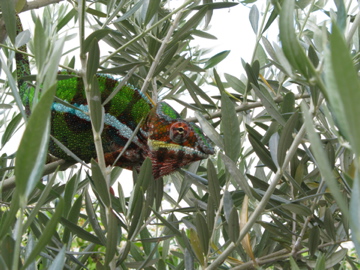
{"type": "Point", "coordinates": [282, 190]}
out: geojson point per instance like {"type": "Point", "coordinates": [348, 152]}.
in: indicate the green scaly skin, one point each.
{"type": "Point", "coordinates": [169, 141]}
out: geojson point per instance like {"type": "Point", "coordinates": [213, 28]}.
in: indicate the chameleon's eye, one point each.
{"type": "Point", "coordinates": [179, 132]}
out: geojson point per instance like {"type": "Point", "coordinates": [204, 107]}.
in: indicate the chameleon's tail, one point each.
{"type": "Point", "coordinates": [22, 66]}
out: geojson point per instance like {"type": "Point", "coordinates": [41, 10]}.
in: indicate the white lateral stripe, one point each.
{"type": "Point", "coordinates": [155, 145]}
{"type": "Point", "coordinates": [123, 130]}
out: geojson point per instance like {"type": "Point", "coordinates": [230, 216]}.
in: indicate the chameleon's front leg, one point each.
{"type": "Point", "coordinates": [131, 158]}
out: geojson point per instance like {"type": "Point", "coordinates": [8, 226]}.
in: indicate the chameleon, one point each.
{"type": "Point", "coordinates": [168, 140]}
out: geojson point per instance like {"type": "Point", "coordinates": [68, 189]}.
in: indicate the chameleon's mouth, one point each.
{"type": "Point", "coordinates": [203, 141]}
{"type": "Point", "coordinates": [156, 145]}
{"type": "Point", "coordinates": [206, 147]}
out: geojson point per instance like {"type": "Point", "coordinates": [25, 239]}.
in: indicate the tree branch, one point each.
{"type": "Point", "coordinates": [280, 255]}
{"type": "Point", "coordinates": [245, 106]}
{"type": "Point", "coordinates": [160, 52]}
{"type": "Point", "coordinates": [9, 183]}
{"type": "Point", "coordinates": [265, 199]}
{"type": "Point", "coordinates": [38, 4]}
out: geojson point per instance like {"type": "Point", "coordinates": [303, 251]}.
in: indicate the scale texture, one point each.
{"type": "Point", "coordinates": [169, 141]}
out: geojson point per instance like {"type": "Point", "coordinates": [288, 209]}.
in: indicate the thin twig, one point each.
{"type": "Point", "coordinates": [245, 106]}
{"type": "Point", "coordinates": [262, 204]}
{"type": "Point", "coordinates": [145, 32]}
{"type": "Point", "coordinates": [88, 86]}
{"type": "Point", "coordinates": [38, 4]}
{"type": "Point", "coordinates": [9, 183]}
{"type": "Point", "coordinates": [160, 52]}
{"type": "Point", "coordinates": [297, 244]}
{"type": "Point", "coordinates": [280, 255]}
{"type": "Point", "coordinates": [353, 28]}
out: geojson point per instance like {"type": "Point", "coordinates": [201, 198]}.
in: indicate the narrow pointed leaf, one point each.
{"type": "Point", "coordinates": [166, 59]}
{"type": "Point", "coordinates": [216, 59]}
{"type": "Point", "coordinates": [93, 219]}
{"type": "Point", "coordinates": [214, 184]}
{"type": "Point", "coordinates": [291, 45]}
{"type": "Point", "coordinates": [8, 15]}
{"type": "Point", "coordinates": [149, 261]}
{"type": "Point", "coordinates": [203, 232]}
{"type": "Point", "coordinates": [145, 175]}
{"type": "Point", "coordinates": [191, 85]}
{"type": "Point", "coordinates": [262, 153]}
{"type": "Point", "coordinates": [298, 209]}
{"type": "Point", "coordinates": [254, 18]}
{"type": "Point", "coordinates": [96, 109]}
{"type": "Point", "coordinates": [355, 212]}
{"type": "Point", "coordinates": [188, 260]}
{"type": "Point", "coordinates": [335, 258]}
{"type": "Point", "coordinates": [51, 66]}
{"type": "Point", "coordinates": [130, 12]}
{"type": "Point", "coordinates": [322, 162]}
{"type": "Point", "coordinates": [40, 45]}
{"type": "Point", "coordinates": [93, 60]}
{"type": "Point", "coordinates": [235, 83]}
{"type": "Point", "coordinates": [98, 35]}
{"type": "Point", "coordinates": [121, 69]}
{"type": "Point", "coordinates": [228, 205]}
{"type": "Point", "coordinates": [7, 248]}
{"type": "Point", "coordinates": [196, 245]}
{"type": "Point", "coordinates": [210, 214]}
{"type": "Point", "coordinates": [73, 217]}
{"type": "Point", "coordinates": [269, 104]}
{"type": "Point", "coordinates": [66, 19]}
{"type": "Point", "coordinates": [215, 5]}
{"type": "Point", "coordinates": [244, 216]}
{"type": "Point", "coordinates": [288, 105]}
{"type": "Point", "coordinates": [9, 217]}
{"type": "Point", "coordinates": [237, 175]}
{"type": "Point", "coordinates": [252, 72]}
{"type": "Point", "coordinates": [153, 8]}
{"type": "Point", "coordinates": [230, 127]}
{"type": "Point", "coordinates": [40, 202]}
{"type": "Point", "coordinates": [112, 237]}
{"type": "Point", "coordinates": [47, 233]}
{"type": "Point", "coordinates": [10, 129]}
{"type": "Point", "coordinates": [286, 138]}
{"type": "Point", "coordinates": [80, 232]}
{"type": "Point", "coordinates": [59, 261]}
{"type": "Point", "coordinates": [170, 226]}
{"type": "Point", "coordinates": [121, 199]}
{"type": "Point", "coordinates": [100, 183]}
{"type": "Point", "coordinates": [343, 88]}
{"type": "Point", "coordinates": [70, 191]}
{"type": "Point", "coordinates": [203, 34]}
{"type": "Point", "coordinates": [314, 240]}
{"type": "Point", "coordinates": [190, 24]}
{"type": "Point", "coordinates": [293, 264]}
{"type": "Point", "coordinates": [234, 226]}
{"type": "Point", "coordinates": [32, 150]}
{"type": "Point", "coordinates": [137, 207]}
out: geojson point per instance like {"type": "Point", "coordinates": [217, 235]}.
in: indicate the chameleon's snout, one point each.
{"type": "Point", "coordinates": [204, 144]}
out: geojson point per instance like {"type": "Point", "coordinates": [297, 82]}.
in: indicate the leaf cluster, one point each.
{"type": "Point", "coordinates": [282, 190]}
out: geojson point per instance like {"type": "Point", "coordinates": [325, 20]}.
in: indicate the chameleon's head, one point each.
{"type": "Point", "coordinates": [173, 142]}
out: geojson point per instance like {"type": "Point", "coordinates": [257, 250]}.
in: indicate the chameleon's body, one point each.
{"type": "Point", "coordinates": [169, 141]}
